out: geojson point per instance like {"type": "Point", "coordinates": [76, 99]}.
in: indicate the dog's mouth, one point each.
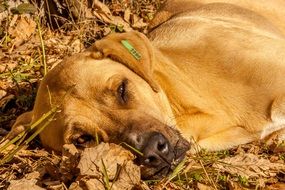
{"type": "Point", "coordinates": [159, 172]}
{"type": "Point", "coordinates": [161, 148]}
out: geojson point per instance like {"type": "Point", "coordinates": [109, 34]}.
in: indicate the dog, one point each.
{"type": "Point", "coordinates": [209, 72]}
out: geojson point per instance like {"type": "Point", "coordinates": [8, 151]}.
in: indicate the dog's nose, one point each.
{"type": "Point", "coordinates": [156, 150]}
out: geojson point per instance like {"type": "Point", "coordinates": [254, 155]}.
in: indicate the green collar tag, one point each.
{"type": "Point", "coordinates": [131, 49]}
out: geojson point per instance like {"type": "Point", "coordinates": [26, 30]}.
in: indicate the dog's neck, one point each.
{"type": "Point", "coordinates": [181, 99]}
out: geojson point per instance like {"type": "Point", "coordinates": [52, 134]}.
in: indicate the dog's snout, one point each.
{"type": "Point", "coordinates": [155, 147]}
{"type": "Point", "coordinates": [156, 150]}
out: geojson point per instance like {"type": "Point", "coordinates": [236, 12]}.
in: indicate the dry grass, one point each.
{"type": "Point", "coordinates": [30, 46]}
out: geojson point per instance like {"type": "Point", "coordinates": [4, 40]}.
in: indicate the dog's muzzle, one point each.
{"type": "Point", "coordinates": [158, 155]}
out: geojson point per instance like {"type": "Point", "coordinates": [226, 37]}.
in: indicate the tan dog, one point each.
{"type": "Point", "coordinates": [213, 72]}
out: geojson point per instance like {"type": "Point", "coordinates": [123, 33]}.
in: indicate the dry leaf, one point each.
{"type": "Point", "coordinates": [2, 93]}
{"type": "Point", "coordinates": [101, 11]}
{"type": "Point", "coordinates": [235, 186]}
{"type": "Point", "coordinates": [127, 15]}
{"type": "Point", "coordinates": [92, 183]}
{"type": "Point", "coordinates": [54, 185]}
{"type": "Point", "coordinates": [118, 21]}
{"type": "Point", "coordinates": [33, 175]}
{"type": "Point", "coordinates": [204, 187]}
{"type": "Point", "coordinates": [24, 8]}
{"type": "Point", "coordinates": [249, 165]}
{"type": "Point", "coordinates": [24, 184]}
{"type": "Point", "coordinates": [22, 29]}
{"type": "Point", "coordinates": [110, 153]}
{"type": "Point", "coordinates": [75, 186]}
{"type": "Point", "coordinates": [137, 22]}
{"type": "Point", "coordinates": [115, 159]}
{"type": "Point", "coordinates": [77, 46]}
{"type": "Point", "coordinates": [277, 186]}
{"type": "Point", "coordinates": [70, 160]}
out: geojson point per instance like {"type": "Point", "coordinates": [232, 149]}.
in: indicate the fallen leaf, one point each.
{"type": "Point", "coordinates": [127, 15]}
{"type": "Point", "coordinates": [204, 187]}
{"type": "Point", "coordinates": [77, 46]}
{"type": "Point", "coordinates": [118, 163]}
{"type": "Point", "coordinates": [22, 29]}
{"type": "Point", "coordinates": [24, 8]}
{"type": "Point", "coordinates": [101, 11]}
{"type": "Point", "coordinates": [2, 93]}
{"type": "Point", "coordinates": [75, 186]}
{"type": "Point", "coordinates": [77, 8]}
{"type": "Point", "coordinates": [70, 160]}
{"type": "Point", "coordinates": [235, 186]}
{"type": "Point", "coordinates": [277, 186]}
{"type": "Point", "coordinates": [24, 184]}
{"type": "Point", "coordinates": [92, 183]}
{"type": "Point", "coordinates": [119, 22]}
{"type": "Point", "coordinates": [249, 165]}
{"type": "Point", "coordinates": [2, 8]}
{"type": "Point", "coordinates": [33, 175]}
{"type": "Point", "coordinates": [137, 22]}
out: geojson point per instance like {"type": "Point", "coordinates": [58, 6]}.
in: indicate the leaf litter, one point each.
{"type": "Point", "coordinates": [107, 166]}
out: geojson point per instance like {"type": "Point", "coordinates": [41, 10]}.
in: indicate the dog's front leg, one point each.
{"type": "Point", "coordinates": [211, 132]}
{"type": "Point", "coordinates": [276, 128]}
{"type": "Point", "coordinates": [225, 139]}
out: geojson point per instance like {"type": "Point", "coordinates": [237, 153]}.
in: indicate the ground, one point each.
{"type": "Point", "coordinates": [32, 41]}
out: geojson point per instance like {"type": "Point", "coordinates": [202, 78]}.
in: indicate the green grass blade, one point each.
{"type": "Point", "coordinates": [133, 148]}
{"type": "Point", "coordinates": [105, 175]}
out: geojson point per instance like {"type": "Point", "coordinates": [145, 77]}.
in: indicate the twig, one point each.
{"type": "Point", "coordinates": [208, 177]}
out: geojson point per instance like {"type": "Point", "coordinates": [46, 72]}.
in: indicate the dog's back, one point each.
{"type": "Point", "coordinates": [232, 57]}
{"type": "Point", "coordinates": [273, 10]}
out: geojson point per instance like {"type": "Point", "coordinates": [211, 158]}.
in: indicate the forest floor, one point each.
{"type": "Point", "coordinates": [30, 45]}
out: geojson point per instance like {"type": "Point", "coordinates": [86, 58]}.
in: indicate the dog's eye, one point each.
{"type": "Point", "coordinates": [122, 91]}
{"type": "Point", "coordinates": [84, 140]}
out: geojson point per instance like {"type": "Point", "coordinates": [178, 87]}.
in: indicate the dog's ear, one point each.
{"type": "Point", "coordinates": [22, 122]}
{"type": "Point", "coordinates": [132, 49]}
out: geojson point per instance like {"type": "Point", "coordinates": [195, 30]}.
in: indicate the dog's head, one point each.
{"type": "Point", "coordinates": [110, 91]}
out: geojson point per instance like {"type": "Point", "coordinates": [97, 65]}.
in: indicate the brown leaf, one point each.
{"type": "Point", "coordinates": [118, 21]}
{"type": "Point", "coordinates": [204, 187]}
{"type": "Point", "coordinates": [33, 175]}
{"type": "Point", "coordinates": [277, 186]}
{"type": "Point", "coordinates": [127, 15]}
{"type": "Point", "coordinates": [2, 93]}
{"type": "Point", "coordinates": [114, 157]}
{"type": "Point", "coordinates": [235, 186]}
{"type": "Point", "coordinates": [75, 186]}
{"type": "Point", "coordinates": [22, 29]}
{"type": "Point", "coordinates": [70, 160]}
{"type": "Point", "coordinates": [92, 183]}
{"type": "Point", "coordinates": [24, 8]}
{"type": "Point", "coordinates": [101, 11]}
{"type": "Point", "coordinates": [249, 165]}
{"type": "Point", "coordinates": [24, 184]}
{"type": "Point", "coordinates": [138, 22]}
{"type": "Point", "coordinates": [111, 154]}
{"type": "Point", "coordinates": [78, 8]}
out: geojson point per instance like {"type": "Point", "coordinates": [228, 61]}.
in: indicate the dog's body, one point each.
{"type": "Point", "coordinates": [215, 71]}
{"type": "Point", "coordinates": [228, 65]}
